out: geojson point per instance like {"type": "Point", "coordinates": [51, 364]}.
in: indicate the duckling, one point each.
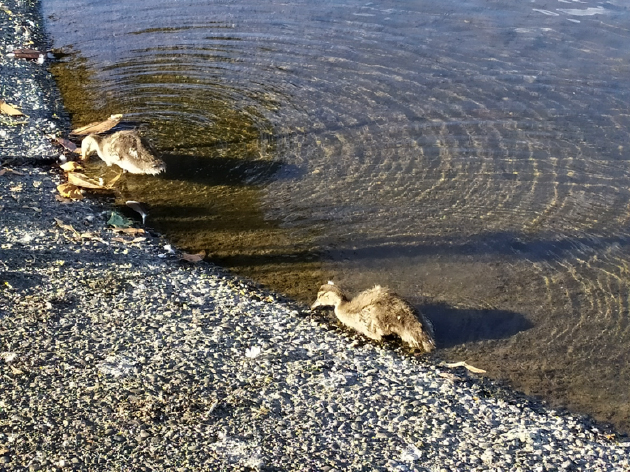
{"type": "Point", "coordinates": [125, 149]}
{"type": "Point", "coordinates": [378, 312]}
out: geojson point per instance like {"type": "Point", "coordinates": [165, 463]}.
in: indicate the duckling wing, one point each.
{"type": "Point", "coordinates": [370, 322]}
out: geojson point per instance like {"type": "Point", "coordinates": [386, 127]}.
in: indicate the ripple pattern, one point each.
{"type": "Point", "coordinates": [474, 157]}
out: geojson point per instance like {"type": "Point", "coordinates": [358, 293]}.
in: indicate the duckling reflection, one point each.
{"type": "Point", "coordinates": [378, 312]}
{"type": "Point", "coordinates": [125, 149]}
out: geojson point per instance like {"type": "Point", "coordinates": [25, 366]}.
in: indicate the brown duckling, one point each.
{"type": "Point", "coordinates": [378, 312]}
{"type": "Point", "coordinates": [125, 149]}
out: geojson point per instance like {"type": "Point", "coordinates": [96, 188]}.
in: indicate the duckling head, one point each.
{"type": "Point", "coordinates": [329, 295]}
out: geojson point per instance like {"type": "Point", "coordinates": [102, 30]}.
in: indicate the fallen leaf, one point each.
{"type": "Point", "coordinates": [471, 368]}
{"type": "Point", "coordinates": [113, 181]}
{"type": "Point", "coordinates": [26, 53]}
{"type": "Point", "coordinates": [71, 166]}
{"type": "Point", "coordinates": [82, 180]}
{"type": "Point", "coordinates": [61, 199]}
{"type": "Point", "coordinates": [68, 145]}
{"type": "Point", "coordinates": [119, 221]}
{"type": "Point", "coordinates": [129, 230]}
{"type": "Point", "coordinates": [449, 376]}
{"type": "Point", "coordinates": [129, 241]}
{"type": "Point", "coordinates": [9, 110]}
{"type": "Point", "coordinates": [62, 225]}
{"type": "Point", "coordinates": [4, 170]}
{"type": "Point", "coordinates": [38, 210]}
{"type": "Point", "coordinates": [70, 191]}
{"type": "Point", "coordinates": [98, 126]}
{"type": "Point", "coordinates": [93, 237]}
{"type": "Point", "coordinates": [16, 371]}
{"type": "Point", "coordinates": [194, 257]}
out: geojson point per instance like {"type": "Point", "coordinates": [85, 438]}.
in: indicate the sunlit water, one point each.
{"type": "Point", "coordinates": [473, 155]}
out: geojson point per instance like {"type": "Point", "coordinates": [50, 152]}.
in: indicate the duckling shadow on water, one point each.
{"type": "Point", "coordinates": [454, 326]}
{"type": "Point", "coordinates": [225, 171]}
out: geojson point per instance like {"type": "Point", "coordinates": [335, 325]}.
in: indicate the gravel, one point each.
{"type": "Point", "coordinates": [121, 356]}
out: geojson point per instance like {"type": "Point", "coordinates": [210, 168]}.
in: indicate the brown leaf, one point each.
{"type": "Point", "coordinates": [70, 191]}
{"type": "Point", "coordinates": [9, 110]}
{"type": "Point", "coordinates": [471, 368]}
{"type": "Point", "coordinates": [111, 183]}
{"type": "Point", "coordinates": [194, 257]}
{"type": "Point", "coordinates": [61, 199]}
{"type": "Point", "coordinates": [98, 127]}
{"type": "Point", "coordinates": [69, 145]}
{"type": "Point", "coordinates": [71, 166]}
{"type": "Point", "coordinates": [62, 225]}
{"type": "Point", "coordinates": [93, 237]}
{"type": "Point", "coordinates": [129, 241]}
{"type": "Point", "coordinates": [27, 53]}
{"type": "Point", "coordinates": [129, 230]}
{"type": "Point", "coordinates": [82, 180]}
{"type": "Point", "coordinates": [3, 171]}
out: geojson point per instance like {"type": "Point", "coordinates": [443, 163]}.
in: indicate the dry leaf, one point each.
{"type": "Point", "coordinates": [70, 191]}
{"type": "Point", "coordinates": [471, 368]}
{"type": "Point", "coordinates": [127, 241]}
{"type": "Point", "coordinates": [9, 110]}
{"type": "Point", "coordinates": [71, 166]}
{"type": "Point", "coordinates": [61, 199]}
{"type": "Point", "coordinates": [16, 371]}
{"type": "Point", "coordinates": [98, 127]}
{"type": "Point", "coordinates": [4, 170]}
{"type": "Point", "coordinates": [62, 225]}
{"type": "Point", "coordinates": [93, 237]}
{"type": "Point", "coordinates": [38, 210]}
{"type": "Point", "coordinates": [68, 145]}
{"type": "Point", "coordinates": [194, 257]}
{"type": "Point", "coordinates": [82, 180]}
{"type": "Point", "coordinates": [27, 53]}
{"type": "Point", "coordinates": [129, 230]}
{"type": "Point", "coordinates": [449, 376]}
{"type": "Point", "coordinates": [113, 181]}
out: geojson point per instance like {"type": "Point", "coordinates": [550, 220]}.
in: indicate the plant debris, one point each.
{"type": "Point", "coordinates": [97, 126]}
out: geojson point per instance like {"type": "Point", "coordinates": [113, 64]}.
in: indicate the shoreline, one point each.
{"type": "Point", "coordinates": [118, 356]}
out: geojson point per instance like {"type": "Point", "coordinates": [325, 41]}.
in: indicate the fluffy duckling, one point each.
{"type": "Point", "coordinates": [125, 149]}
{"type": "Point", "coordinates": [378, 312]}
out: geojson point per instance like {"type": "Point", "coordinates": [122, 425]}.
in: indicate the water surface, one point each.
{"type": "Point", "coordinates": [472, 155]}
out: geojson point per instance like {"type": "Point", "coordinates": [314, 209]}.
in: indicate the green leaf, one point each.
{"type": "Point", "coordinates": [119, 220]}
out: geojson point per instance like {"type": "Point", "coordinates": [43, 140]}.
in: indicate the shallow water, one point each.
{"type": "Point", "coordinates": [472, 155]}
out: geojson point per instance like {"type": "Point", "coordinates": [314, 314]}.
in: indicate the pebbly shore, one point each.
{"type": "Point", "coordinates": [115, 354]}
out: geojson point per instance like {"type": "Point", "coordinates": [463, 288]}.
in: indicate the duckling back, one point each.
{"type": "Point", "coordinates": [391, 314]}
{"type": "Point", "coordinates": [125, 149]}
{"type": "Point", "coordinates": [132, 154]}
{"type": "Point", "coordinates": [379, 312]}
